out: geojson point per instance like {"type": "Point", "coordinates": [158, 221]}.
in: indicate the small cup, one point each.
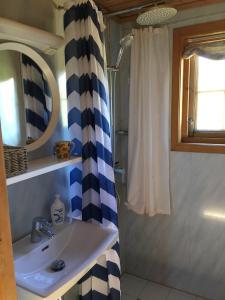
{"type": "Point", "coordinates": [63, 149]}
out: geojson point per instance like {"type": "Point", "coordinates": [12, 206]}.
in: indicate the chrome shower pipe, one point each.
{"type": "Point", "coordinates": [133, 9]}
{"type": "Point", "coordinates": [112, 72]}
{"type": "Point", "coordinates": [112, 68]}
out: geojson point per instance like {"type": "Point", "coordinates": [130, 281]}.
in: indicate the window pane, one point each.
{"type": "Point", "coordinates": [211, 74]}
{"type": "Point", "coordinates": [211, 111]}
{"type": "Point", "coordinates": [210, 114]}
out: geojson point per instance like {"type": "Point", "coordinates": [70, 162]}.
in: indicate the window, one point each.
{"type": "Point", "coordinates": [198, 104]}
{"type": "Point", "coordinates": [210, 95]}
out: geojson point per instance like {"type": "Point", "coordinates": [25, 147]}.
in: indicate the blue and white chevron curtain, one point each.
{"type": "Point", "coordinates": [37, 98]}
{"type": "Point", "coordinates": [92, 183]}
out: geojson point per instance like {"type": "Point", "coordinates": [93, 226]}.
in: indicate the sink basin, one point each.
{"type": "Point", "coordinates": [78, 244]}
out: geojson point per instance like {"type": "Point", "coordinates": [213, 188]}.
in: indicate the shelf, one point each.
{"type": "Point", "coordinates": [42, 166]}
{"type": "Point", "coordinates": [45, 41]}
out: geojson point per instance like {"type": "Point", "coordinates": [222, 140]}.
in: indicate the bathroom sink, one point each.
{"type": "Point", "coordinates": [78, 244]}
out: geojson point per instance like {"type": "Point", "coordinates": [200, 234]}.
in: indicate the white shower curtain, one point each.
{"type": "Point", "coordinates": [148, 150]}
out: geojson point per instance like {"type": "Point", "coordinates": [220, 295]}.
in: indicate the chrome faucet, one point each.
{"type": "Point", "coordinates": [40, 226]}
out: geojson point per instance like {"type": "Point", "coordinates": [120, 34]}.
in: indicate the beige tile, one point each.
{"type": "Point", "coordinates": [131, 285]}
{"type": "Point", "coordinates": [177, 295]}
{"type": "Point", "coordinates": [154, 291]}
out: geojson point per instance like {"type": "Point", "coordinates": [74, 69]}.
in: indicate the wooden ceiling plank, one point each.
{"type": "Point", "coordinates": [181, 5]}
{"type": "Point", "coordinates": [117, 5]}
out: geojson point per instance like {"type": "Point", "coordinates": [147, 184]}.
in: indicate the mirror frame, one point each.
{"type": "Point", "coordinates": [52, 85]}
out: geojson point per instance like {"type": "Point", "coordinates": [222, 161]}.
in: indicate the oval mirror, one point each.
{"type": "Point", "coordinates": [29, 97]}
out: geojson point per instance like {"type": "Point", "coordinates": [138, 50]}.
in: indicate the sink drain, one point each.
{"type": "Point", "coordinates": [58, 265]}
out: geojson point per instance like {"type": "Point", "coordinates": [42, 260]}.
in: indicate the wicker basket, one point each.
{"type": "Point", "coordinates": [15, 160]}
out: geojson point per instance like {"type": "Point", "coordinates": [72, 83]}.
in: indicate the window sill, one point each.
{"type": "Point", "coordinates": [199, 148]}
{"type": "Point", "coordinates": [204, 140]}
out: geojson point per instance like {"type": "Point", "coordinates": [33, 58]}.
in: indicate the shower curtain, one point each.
{"type": "Point", "coordinates": [148, 149]}
{"type": "Point", "coordinates": [37, 98]}
{"type": "Point", "coordinates": [92, 183]}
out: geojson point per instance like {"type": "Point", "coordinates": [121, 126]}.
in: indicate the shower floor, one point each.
{"type": "Point", "coordinates": [135, 288]}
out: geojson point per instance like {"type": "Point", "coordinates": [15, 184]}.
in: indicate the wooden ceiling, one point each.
{"type": "Point", "coordinates": [110, 6]}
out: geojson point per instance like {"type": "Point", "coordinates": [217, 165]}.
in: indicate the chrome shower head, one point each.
{"type": "Point", "coordinates": [125, 42]}
{"type": "Point", "coordinates": [156, 15]}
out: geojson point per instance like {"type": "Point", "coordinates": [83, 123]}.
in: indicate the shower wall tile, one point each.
{"type": "Point", "coordinates": [206, 234]}
{"type": "Point", "coordinates": [112, 41]}
{"type": "Point", "coordinates": [184, 250]}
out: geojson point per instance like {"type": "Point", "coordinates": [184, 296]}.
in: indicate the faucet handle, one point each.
{"type": "Point", "coordinates": [38, 222]}
{"type": "Point", "coordinates": [47, 229]}
{"type": "Point", "coordinates": [46, 225]}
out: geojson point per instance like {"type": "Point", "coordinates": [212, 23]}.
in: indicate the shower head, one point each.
{"type": "Point", "coordinates": [156, 16]}
{"type": "Point", "coordinates": [125, 42]}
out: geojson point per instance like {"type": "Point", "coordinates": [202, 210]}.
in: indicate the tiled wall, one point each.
{"type": "Point", "coordinates": [184, 250]}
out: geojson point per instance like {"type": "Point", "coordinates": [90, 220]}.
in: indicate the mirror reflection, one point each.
{"type": "Point", "coordinates": [25, 99]}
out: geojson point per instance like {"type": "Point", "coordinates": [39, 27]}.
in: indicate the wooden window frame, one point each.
{"type": "Point", "coordinates": [206, 142]}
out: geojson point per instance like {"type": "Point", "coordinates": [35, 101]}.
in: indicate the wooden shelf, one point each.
{"type": "Point", "coordinates": [42, 166]}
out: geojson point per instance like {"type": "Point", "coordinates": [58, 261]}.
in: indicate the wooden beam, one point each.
{"type": "Point", "coordinates": [7, 275]}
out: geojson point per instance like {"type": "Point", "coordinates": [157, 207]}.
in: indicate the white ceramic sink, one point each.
{"type": "Point", "coordinates": [79, 244]}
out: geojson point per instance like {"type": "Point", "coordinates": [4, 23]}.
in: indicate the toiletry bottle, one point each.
{"type": "Point", "coordinates": [58, 211]}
